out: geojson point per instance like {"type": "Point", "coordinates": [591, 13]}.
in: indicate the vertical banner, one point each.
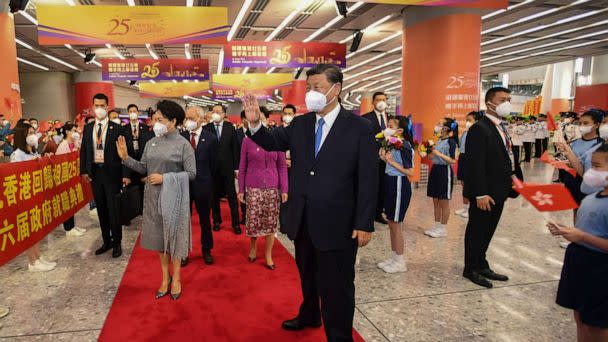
{"type": "Point", "coordinates": [36, 197]}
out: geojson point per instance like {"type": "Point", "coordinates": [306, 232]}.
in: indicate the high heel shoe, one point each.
{"type": "Point", "coordinates": [175, 296]}
{"type": "Point", "coordinates": [271, 267]}
{"type": "Point", "coordinates": [162, 294]}
{"type": "Point", "coordinates": [252, 260]}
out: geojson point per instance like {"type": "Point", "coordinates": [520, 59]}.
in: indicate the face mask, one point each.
{"type": "Point", "coordinates": [381, 106]}
{"type": "Point", "coordinates": [35, 126]}
{"type": "Point", "coordinates": [287, 119]}
{"type": "Point", "coordinates": [437, 129]}
{"type": "Point", "coordinates": [503, 109]}
{"type": "Point", "coordinates": [5, 122]}
{"type": "Point", "coordinates": [116, 121]}
{"type": "Point", "coordinates": [101, 113]}
{"type": "Point", "coordinates": [316, 101]}
{"type": "Point", "coordinates": [468, 124]}
{"type": "Point", "coordinates": [75, 136]}
{"type": "Point", "coordinates": [57, 139]}
{"type": "Point", "coordinates": [133, 116]}
{"type": "Point", "coordinates": [190, 125]}
{"type": "Point", "coordinates": [595, 178]}
{"type": "Point", "coordinates": [389, 132]}
{"type": "Point", "coordinates": [215, 117]}
{"type": "Point", "coordinates": [32, 140]}
{"type": "Point", "coordinates": [585, 129]}
{"type": "Point", "coordinates": [160, 129]}
{"type": "Point", "coordinates": [604, 131]}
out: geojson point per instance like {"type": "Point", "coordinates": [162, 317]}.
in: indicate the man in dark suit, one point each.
{"type": "Point", "coordinates": [205, 147]}
{"type": "Point", "coordinates": [379, 120]}
{"type": "Point", "coordinates": [101, 165]}
{"type": "Point", "coordinates": [227, 169]}
{"type": "Point", "coordinates": [490, 165]}
{"type": "Point", "coordinates": [332, 198]}
{"type": "Point", "coordinates": [136, 131]}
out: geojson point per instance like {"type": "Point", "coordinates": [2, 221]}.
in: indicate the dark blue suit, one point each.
{"type": "Point", "coordinates": [329, 197]}
{"type": "Point", "coordinates": [201, 188]}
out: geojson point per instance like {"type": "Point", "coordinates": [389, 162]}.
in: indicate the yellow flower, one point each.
{"type": "Point", "coordinates": [380, 135]}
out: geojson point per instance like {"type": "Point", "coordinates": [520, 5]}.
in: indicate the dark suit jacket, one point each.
{"type": "Point", "coordinates": [206, 160]}
{"type": "Point", "coordinates": [371, 116]}
{"type": "Point", "coordinates": [228, 153]}
{"type": "Point", "coordinates": [487, 165]}
{"type": "Point", "coordinates": [112, 162]}
{"type": "Point", "coordinates": [337, 190]}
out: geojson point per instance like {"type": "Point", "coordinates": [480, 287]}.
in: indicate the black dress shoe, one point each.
{"type": "Point", "coordinates": [117, 251]}
{"type": "Point", "coordinates": [381, 219]}
{"type": "Point", "coordinates": [216, 227]}
{"type": "Point", "coordinates": [478, 279]}
{"type": "Point", "coordinates": [488, 273]}
{"type": "Point", "coordinates": [208, 258]}
{"type": "Point", "coordinates": [295, 324]}
{"type": "Point", "coordinates": [184, 262]}
{"type": "Point", "coordinates": [237, 230]}
{"type": "Point", "coordinates": [244, 221]}
{"type": "Point", "coordinates": [271, 267]}
{"type": "Point", "coordinates": [104, 248]}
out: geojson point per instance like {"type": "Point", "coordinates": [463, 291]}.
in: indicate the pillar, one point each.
{"type": "Point", "coordinates": [367, 104]}
{"type": "Point", "coordinates": [295, 95]}
{"type": "Point", "coordinates": [86, 85]}
{"type": "Point", "coordinates": [10, 90]}
{"type": "Point", "coordinates": [440, 76]}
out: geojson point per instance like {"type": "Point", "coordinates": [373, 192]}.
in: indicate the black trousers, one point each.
{"type": "Point", "coordinates": [203, 208]}
{"type": "Point", "coordinates": [225, 184]}
{"type": "Point", "coordinates": [527, 151]}
{"type": "Point", "coordinates": [480, 229]}
{"type": "Point", "coordinates": [105, 190]}
{"type": "Point", "coordinates": [243, 212]}
{"type": "Point", "coordinates": [329, 276]}
{"type": "Point", "coordinates": [69, 224]}
{"type": "Point", "coordinates": [517, 153]}
{"type": "Point", "coordinates": [381, 180]}
{"type": "Point", "coordinates": [538, 148]}
{"type": "Point", "coordinates": [545, 144]}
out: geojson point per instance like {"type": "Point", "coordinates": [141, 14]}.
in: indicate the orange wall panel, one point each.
{"type": "Point", "coordinates": [10, 99]}
{"type": "Point", "coordinates": [593, 96]}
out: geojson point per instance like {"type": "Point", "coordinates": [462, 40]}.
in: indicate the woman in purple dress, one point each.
{"type": "Point", "coordinates": [263, 184]}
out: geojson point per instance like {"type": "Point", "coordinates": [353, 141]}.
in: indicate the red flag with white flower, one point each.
{"type": "Point", "coordinates": [562, 165]}
{"type": "Point", "coordinates": [546, 197]}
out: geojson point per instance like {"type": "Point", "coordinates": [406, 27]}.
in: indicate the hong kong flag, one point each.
{"type": "Point", "coordinates": [551, 125]}
{"type": "Point", "coordinates": [546, 197]}
{"type": "Point", "coordinates": [546, 158]}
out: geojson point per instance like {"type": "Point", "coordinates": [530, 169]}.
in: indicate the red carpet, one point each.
{"type": "Point", "coordinates": [231, 300]}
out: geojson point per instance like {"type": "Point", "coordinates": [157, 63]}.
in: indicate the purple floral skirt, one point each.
{"type": "Point", "coordinates": [262, 211]}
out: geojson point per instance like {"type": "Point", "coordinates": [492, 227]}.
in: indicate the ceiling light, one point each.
{"type": "Point", "coordinates": [358, 99]}
{"type": "Point", "coordinates": [70, 2]}
{"type": "Point", "coordinates": [32, 64]}
{"type": "Point", "coordinates": [271, 70]}
{"type": "Point", "coordinates": [380, 42]}
{"type": "Point", "coordinates": [393, 88]}
{"type": "Point", "coordinates": [332, 22]}
{"type": "Point", "coordinates": [365, 87]}
{"type": "Point", "coordinates": [302, 5]}
{"type": "Point", "coordinates": [109, 46]}
{"type": "Point", "coordinates": [131, 2]}
{"type": "Point", "coordinates": [351, 85]}
{"type": "Point", "coordinates": [152, 81]}
{"type": "Point", "coordinates": [386, 85]}
{"type": "Point", "coordinates": [220, 61]}
{"type": "Point", "coordinates": [29, 17]}
{"type": "Point", "coordinates": [373, 69]}
{"type": "Point", "coordinates": [187, 51]}
{"type": "Point", "coordinates": [388, 71]}
{"type": "Point", "coordinates": [245, 70]}
{"type": "Point", "coordinates": [490, 15]}
{"type": "Point", "coordinates": [55, 59]}
{"type": "Point", "coordinates": [189, 3]}
{"type": "Point", "coordinates": [239, 18]}
{"type": "Point", "coordinates": [174, 81]}
{"type": "Point", "coordinates": [369, 28]}
{"type": "Point", "coordinates": [151, 52]}
{"type": "Point", "coordinates": [367, 61]}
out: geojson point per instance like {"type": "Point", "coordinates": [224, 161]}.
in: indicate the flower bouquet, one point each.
{"type": "Point", "coordinates": [425, 148]}
{"type": "Point", "coordinates": [390, 142]}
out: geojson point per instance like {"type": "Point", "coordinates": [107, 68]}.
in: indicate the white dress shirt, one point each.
{"type": "Point", "coordinates": [384, 117]}
{"type": "Point", "coordinates": [329, 118]}
{"type": "Point", "coordinates": [104, 129]}
{"type": "Point", "coordinates": [218, 127]}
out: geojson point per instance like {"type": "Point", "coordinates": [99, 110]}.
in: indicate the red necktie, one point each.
{"type": "Point", "coordinates": [193, 140]}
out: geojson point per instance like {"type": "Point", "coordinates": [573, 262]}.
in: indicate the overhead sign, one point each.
{"type": "Point", "coordinates": [283, 54]}
{"type": "Point", "coordinates": [172, 89]}
{"type": "Point", "coordinates": [152, 69]}
{"type": "Point", "coordinates": [231, 86]}
{"type": "Point", "coordinates": [98, 25]}
{"type": "Point", "coordinates": [449, 3]}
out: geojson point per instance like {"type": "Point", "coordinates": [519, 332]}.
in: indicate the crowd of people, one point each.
{"type": "Point", "coordinates": [323, 178]}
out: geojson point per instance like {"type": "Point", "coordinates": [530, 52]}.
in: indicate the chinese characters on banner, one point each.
{"type": "Point", "coordinates": [36, 197]}
{"type": "Point", "coordinates": [461, 96]}
{"type": "Point", "coordinates": [114, 69]}
{"type": "Point", "coordinates": [283, 54]}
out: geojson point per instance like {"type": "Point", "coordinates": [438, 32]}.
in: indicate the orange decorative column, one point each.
{"type": "Point", "coordinates": [440, 77]}
{"type": "Point", "coordinates": [10, 92]}
{"type": "Point", "coordinates": [295, 95]}
{"type": "Point", "coordinates": [367, 104]}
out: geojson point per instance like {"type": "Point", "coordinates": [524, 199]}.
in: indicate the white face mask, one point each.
{"type": "Point", "coordinates": [133, 116]}
{"type": "Point", "coordinates": [389, 132]}
{"type": "Point", "coordinates": [316, 101]}
{"type": "Point", "coordinates": [381, 106]}
{"type": "Point", "coordinates": [35, 126]}
{"type": "Point", "coordinates": [287, 119]}
{"type": "Point", "coordinates": [215, 117]}
{"type": "Point", "coordinates": [437, 129]}
{"type": "Point", "coordinates": [503, 109]}
{"type": "Point", "coordinates": [57, 138]}
{"type": "Point", "coordinates": [585, 129]}
{"type": "Point", "coordinates": [101, 113]}
{"type": "Point", "coordinates": [468, 124]}
{"type": "Point", "coordinates": [595, 178]}
{"type": "Point", "coordinates": [604, 131]}
{"type": "Point", "coordinates": [32, 140]}
{"type": "Point", "coordinates": [76, 136]}
{"type": "Point", "coordinates": [160, 129]}
{"type": "Point", "coordinates": [190, 125]}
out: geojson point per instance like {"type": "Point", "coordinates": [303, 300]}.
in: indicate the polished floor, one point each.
{"type": "Point", "coordinates": [430, 302]}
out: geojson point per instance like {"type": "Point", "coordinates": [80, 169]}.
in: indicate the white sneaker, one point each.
{"type": "Point", "coordinates": [564, 244]}
{"type": "Point", "coordinates": [460, 211]}
{"type": "Point", "coordinates": [38, 266]}
{"type": "Point", "coordinates": [433, 228]}
{"type": "Point", "coordinates": [438, 232]}
{"type": "Point", "coordinates": [47, 262]}
{"type": "Point", "coordinates": [385, 263]}
{"type": "Point", "coordinates": [3, 311]}
{"type": "Point", "coordinates": [82, 230]}
{"type": "Point", "coordinates": [74, 233]}
{"type": "Point", "coordinates": [93, 213]}
{"type": "Point", "coordinates": [395, 267]}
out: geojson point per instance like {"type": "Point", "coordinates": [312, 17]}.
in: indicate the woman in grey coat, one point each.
{"type": "Point", "coordinates": [169, 162]}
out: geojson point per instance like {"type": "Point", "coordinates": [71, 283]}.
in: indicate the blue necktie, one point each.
{"type": "Point", "coordinates": [217, 130]}
{"type": "Point", "coordinates": [319, 136]}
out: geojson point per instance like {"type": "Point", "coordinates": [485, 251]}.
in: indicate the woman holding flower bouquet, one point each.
{"type": "Point", "coordinates": [441, 177]}
{"type": "Point", "coordinates": [397, 152]}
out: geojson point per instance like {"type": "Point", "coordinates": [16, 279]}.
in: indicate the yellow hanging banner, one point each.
{"type": "Point", "coordinates": [98, 25]}
{"type": "Point", "coordinates": [232, 86]}
{"type": "Point", "coordinates": [171, 89]}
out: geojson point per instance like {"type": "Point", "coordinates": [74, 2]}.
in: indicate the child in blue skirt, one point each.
{"type": "Point", "coordinates": [441, 177]}
{"type": "Point", "coordinates": [583, 286]}
{"type": "Point", "coordinates": [397, 189]}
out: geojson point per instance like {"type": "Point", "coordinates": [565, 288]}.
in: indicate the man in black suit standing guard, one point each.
{"type": "Point", "coordinates": [332, 189]}
{"type": "Point", "coordinates": [379, 120]}
{"type": "Point", "coordinates": [228, 166]}
{"type": "Point", "coordinates": [490, 165]}
{"type": "Point", "coordinates": [101, 165]}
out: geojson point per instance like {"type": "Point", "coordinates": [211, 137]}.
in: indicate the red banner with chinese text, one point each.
{"type": "Point", "coordinates": [36, 197]}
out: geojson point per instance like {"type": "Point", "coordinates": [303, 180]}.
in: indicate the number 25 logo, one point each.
{"type": "Point", "coordinates": [151, 71]}
{"type": "Point", "coordinates": [455, 82]}
{"type": "Point", "coordinates": [120, 27]}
